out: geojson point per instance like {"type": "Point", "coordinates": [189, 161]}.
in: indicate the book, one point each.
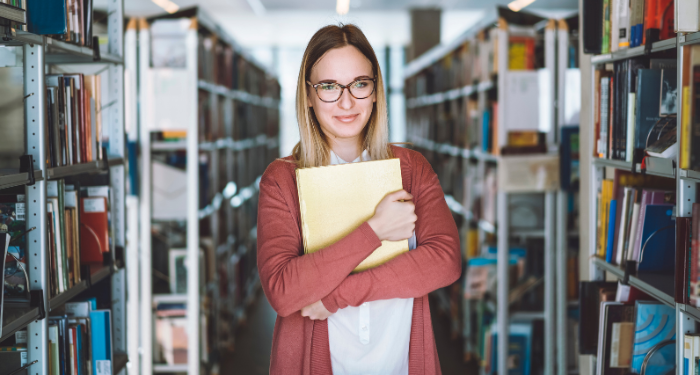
{"type": "Point", "coordinates": [337, 199]}
{"type": "Point", "coordinates": [694, 282]}
{"type": "Point", "coordinates": [604, 216]}
{"type": "Point", "coordinates": [4, 243]}
{"type": "Point", "coordinates": [654, 323]}
{"type": "Point", "coordinates": [621, 344]}
{"type": "Point", "coordinates": [658, 240]}
{"type": "Point", "coordinates": [683, 269]}
{"type": "Point", "coordinates": [592, 12]}
{"type": "Point", "coordinates": [669, 93]}
{"type": "Point", "coordinates": [623, 24]}
{"type": "Point", "coordinates": [610, 242]}
{"type": "Point", "coordinates": [647, 106]}
{"type": "Point", "coordinates": [591, 293]}
{"type": "Point", "coordinates": [101, 337]}
{"type": "Point", "coordinates": [604, 117]}
{"type": "Point", "coordinates": [13, 359]}
{"type": "Point", "coordinates": [94, 229]}
{"type": "Point", "coordinates": [666, 146]}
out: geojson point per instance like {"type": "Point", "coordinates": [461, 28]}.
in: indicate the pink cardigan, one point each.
{"type": "Point", "coordinates": [292, 280]}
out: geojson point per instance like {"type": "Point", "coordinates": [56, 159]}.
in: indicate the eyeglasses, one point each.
{"type": "Point", "coordinates": [330, 92]}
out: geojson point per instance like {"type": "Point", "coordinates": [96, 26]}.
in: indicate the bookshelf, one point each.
{"type": "Point", "coordinates": [660, 287]}
{"type": "Point", "coordinates": [43, 55]}
{"type": "Point", "coordinates": [448, 101]}
{"type": "Point", "coordinates": [229, 130]}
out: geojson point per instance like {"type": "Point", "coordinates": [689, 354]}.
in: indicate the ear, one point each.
{"type": "Point", "coordinates": [309, 101]}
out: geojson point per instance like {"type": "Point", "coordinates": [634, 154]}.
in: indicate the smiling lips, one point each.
{"type": "Point", "coordinates": [349, 118]}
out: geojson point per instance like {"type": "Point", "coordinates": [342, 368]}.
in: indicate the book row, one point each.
{"type": "Point", "coordinates": [218, 62]}
{"type": "Point", "coordinates": [636, 110]}
{"type": "Point", "coordinates": [68, 20]}
{"type": "Point", "coordinates": [621, 326]}
{"type": "Point", "coordinates": [612, 25]}
{"type": "Point", "coordinates": [79, 342]}
{"type": "Point", "coordinates": [74, 128]}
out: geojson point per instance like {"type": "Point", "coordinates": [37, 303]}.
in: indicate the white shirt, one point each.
{"type": "Point", "coordinates": [371, 339]}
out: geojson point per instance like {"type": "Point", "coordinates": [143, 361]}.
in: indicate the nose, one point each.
{"type": "Point", "coordinates": [346, 100]}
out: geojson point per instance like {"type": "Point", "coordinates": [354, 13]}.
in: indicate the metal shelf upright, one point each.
{"type": "Point", "coordinates": [39, 54]}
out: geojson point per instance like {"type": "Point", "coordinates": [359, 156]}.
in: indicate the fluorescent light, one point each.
{"type": "Point", "coordinates": [517, 5]}
{"type": "Point", "coordinates": [168, 5]}
{"type": "Point", "coordinates": [257, 6]}
{"type": "Point", "coordinates": [342, 7]}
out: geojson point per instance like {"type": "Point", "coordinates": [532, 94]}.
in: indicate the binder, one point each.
{"type": "Point", "coordinates": [335, 200]}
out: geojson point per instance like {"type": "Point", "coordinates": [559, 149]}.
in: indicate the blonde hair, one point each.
{"type": "Point", "coordinates": [313, 149]}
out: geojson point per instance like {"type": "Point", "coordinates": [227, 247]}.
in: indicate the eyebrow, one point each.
{"type": "Point", "coordinates": [334, 81]}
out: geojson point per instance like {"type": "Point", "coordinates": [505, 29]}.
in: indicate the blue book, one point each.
{"type": "Point", "coordinates": [101, 327]}
{"type": "Point", "coordinates": [654, 323]}
{"type": "Point", "coordinates": [610, 245]}
{"type": "Point", "coordinates": [486, 134]}
{"type": "Point", "coordinates": [658, 240]}
{"type": "Point", "coordinates": [79, 347]}
{"type": "Point", "coordinates": [519, 349]}
{"type": "Point", "coordinates": [46, 17]}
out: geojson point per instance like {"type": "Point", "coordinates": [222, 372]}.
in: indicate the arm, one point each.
{"type": "Point", "coordinates": [290, 280]}
{"type": "Point", "coordinates": [435, 263]}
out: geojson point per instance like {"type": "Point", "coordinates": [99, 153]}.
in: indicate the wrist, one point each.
{"type": "Point", "coordinates": [373, 224]}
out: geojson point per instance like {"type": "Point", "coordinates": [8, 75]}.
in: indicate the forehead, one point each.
{"type": "Point", "coordinates": [341, 64]}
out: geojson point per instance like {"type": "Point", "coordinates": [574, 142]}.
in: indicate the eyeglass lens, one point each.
{"type": "Point", "coordinates": [331, 91]}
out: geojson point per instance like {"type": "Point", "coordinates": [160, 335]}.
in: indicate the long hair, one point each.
{"type": "Point", "coordinates": [313, 149]}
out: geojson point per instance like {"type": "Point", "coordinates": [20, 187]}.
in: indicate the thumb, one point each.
{"type": "Point", "coordinates": [400, 195]}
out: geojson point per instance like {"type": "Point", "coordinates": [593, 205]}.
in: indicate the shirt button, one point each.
{"type": "Point", "coordinates": [365, 304]}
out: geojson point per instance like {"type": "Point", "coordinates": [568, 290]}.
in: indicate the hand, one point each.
{"type": "Point", "coordinates": [393, 219]}
{"type": "Point", "coordinates": [316, 311]}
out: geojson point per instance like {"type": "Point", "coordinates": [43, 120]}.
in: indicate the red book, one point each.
{"type": "Point", "coordinates": [94, 233]}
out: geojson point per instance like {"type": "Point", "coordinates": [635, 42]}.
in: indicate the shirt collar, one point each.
{"type": "Point", "coordinates": [335, 159]}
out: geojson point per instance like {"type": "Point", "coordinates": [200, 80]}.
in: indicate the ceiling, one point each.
{"type": "Point", "coordinates": [147, 7]}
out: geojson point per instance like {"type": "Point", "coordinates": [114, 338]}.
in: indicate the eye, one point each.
{"type": "Point", "coordinates": [327, 87]}
{"type": "Point", "coordinates": [360, 84]}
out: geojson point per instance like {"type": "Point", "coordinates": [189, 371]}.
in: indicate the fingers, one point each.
{"type": "Point", "coordinates": [400, 195]}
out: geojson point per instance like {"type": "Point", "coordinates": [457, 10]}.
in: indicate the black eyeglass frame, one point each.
{"type": "Point", "coordinates": [343, 87]}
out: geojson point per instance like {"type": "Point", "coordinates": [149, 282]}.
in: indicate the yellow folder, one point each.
{"type": "Point", "coordinates": [335, 200]}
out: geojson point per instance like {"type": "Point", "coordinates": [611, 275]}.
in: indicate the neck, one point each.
{"type": "Point", "coordinates": [347, 149]}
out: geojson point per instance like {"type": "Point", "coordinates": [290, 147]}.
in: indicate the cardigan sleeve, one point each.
{"type": "Point", "coordinates": [436, 261]}
{"type": "Point", "coordinates": [290, 280]}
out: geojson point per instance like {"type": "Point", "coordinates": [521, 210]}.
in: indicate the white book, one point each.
{"type": "Point", "coordinates": [687, 16]}
{"type": "Point", "coordinates": [52, 206]}
{"type": "Point", "coordinates": [629, 244]}
{"type": "Point", "coordinates": [688, 358]}
{"type": "Point", "coordinates": [615, 24]}
{"type": "Point", "coordinates": [631, 119]}
{"type": "Point", "coordinates": [624, 24]}
{"type": "Point", "coordinates": [623, 226]}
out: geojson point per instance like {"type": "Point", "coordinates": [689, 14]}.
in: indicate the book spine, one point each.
{"type": "Point", "coordinates": [604, 116]}
{"type": "Point", "coordinates": [609, 249]}
{"type": "Point", "coordinates": [606, 27]}
{"type": "Point", "coordinates": [631, 109]}
{"type": "Point", "coordinates": [694, 117]}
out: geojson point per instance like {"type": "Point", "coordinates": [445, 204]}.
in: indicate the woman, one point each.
{"type": "Point", "coordinates": [329, 320]}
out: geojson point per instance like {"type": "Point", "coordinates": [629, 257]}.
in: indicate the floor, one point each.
{"type": "Point", "coordinates": [253, 344]}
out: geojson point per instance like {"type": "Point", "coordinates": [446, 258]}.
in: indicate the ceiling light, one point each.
{"type": "Point", "coordinates": [342, 7]}
{"type": "Point", "coordinates": [168, 5]}
{"type": "Point", "coordinates": [257, 6]}
{"type": "Point", "coordinates": [517, 5]}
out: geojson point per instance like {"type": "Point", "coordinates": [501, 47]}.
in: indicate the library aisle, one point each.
{"type": "Point", "coordinates": [549, 149]}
